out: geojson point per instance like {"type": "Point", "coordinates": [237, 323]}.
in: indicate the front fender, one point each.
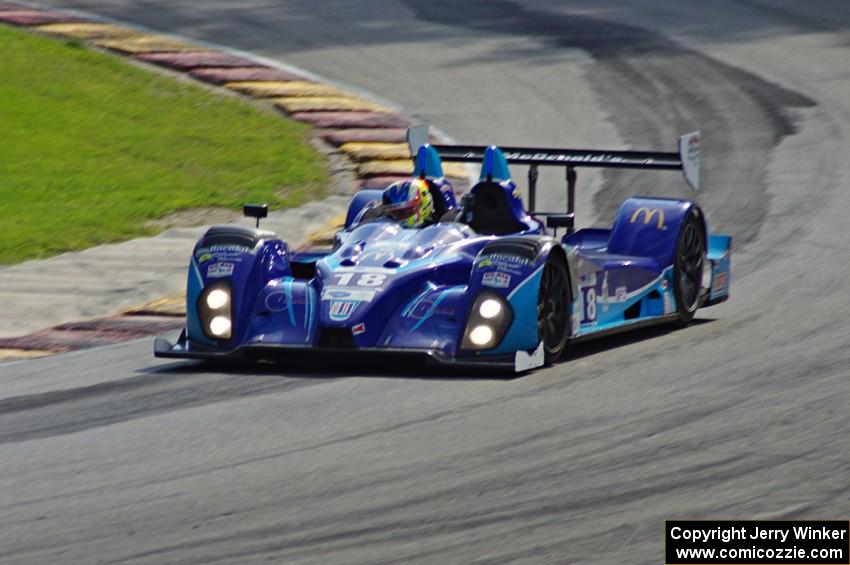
{"type": "Point", "coordinates": [244, 259]}
{"type": "Point", "coordinates": [512, 268]}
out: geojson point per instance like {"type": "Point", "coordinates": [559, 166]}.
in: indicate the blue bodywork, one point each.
{"type": "Point", "coordinates": [390, 289]}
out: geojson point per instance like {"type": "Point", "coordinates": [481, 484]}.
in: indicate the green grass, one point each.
{"type": "Point", "coordinates": [91, 148]}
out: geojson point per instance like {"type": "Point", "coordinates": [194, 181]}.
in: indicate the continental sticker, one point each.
{"type": "Point", "coordinates": [506, 258]}
{"type": "Point", "coordinates": [504, 262]}
{"type": "Point", "coordinates": [219, 249]}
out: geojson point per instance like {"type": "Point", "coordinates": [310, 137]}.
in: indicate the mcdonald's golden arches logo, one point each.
{"type": "Point", "coordinates": [648, 214]}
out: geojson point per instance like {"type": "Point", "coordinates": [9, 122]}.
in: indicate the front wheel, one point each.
{"type": "Point", "coordinates": [688, 267]}
{"type": "Point", "coordinates": [553, 302]}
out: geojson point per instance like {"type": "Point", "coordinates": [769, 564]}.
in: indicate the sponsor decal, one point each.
{"type": "Point", "coordinates": [496, 279]}
{"type": "Point", "coordinates": [204, 258]}
{"type": "Point", "coordinates": [664, 284]}
{"type": "Point", "coordinates": [232, 257]}
{"type": "Point", "coordinates": [648, 216]}
{"type": "Point", "coordinates": [721, 282]}
{"type": "Point", "coordinates": [506, 262]}
{"type": "Point", "coordinates": [340, 311]}
{"type": "Point", "coordinates": [566, 157]}
{"type": "Point", "coordinates": [358, 329]}
{"type": "Point", "coordinates": [620, 293]}
{"type": "Point", "coordinates": [228, 249]}
{"type": "Point", "coordinates": [220, 269]}
{"type": "Point", "coordinates": [503, 259]}
{"type": "Point", "coordinates": [693, 148]}
{"type": "Point", "coordinates": [588, 280]}
{"type": "Point", "coordinates": [668, 303]}
{"type": "Point", "coordinates": [514, 270]}
{"type": "Point", "coordinates": [345, 293]}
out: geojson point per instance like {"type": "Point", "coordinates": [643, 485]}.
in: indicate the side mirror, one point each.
{"type": "Point", "coordinates": [556, 221]}
{"type": "Point", "coordinates": [255, 211]}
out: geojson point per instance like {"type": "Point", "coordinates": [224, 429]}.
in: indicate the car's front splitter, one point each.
{"type": "Point", "coordinates": [184, 349]}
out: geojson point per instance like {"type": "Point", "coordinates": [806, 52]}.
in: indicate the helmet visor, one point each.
{"type": "Point", "coordinates": [402, 210]}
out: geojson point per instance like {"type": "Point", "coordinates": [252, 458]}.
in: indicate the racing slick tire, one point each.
{"type": "Point", "coordinates": [688, 267]}
{"type": "Point", "coordinates": [553, 304]}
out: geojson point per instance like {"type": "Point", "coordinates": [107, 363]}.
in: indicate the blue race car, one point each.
{"type": "Point", "coordinates": [483, 282]}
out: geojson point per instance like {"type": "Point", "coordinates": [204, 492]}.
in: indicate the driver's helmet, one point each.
{"type": "Point", "coordinates": [410, 202]}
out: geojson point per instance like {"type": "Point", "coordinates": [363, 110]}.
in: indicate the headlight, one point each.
{"type": "Point", "coordinates": [488, 321]}
{"type": "Point", "coordinates": [214, 310]}
{"type": "Point", "coordinates": [217, 298]}
{"type": "Point", "coordinates": [220, 326]}
{"type": "Point", "coordinates": [481, 335]}
{"type": "Point", "coordinates": [489, 309]}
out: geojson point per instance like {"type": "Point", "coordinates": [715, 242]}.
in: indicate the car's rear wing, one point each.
{"type": "Point", "coordinates": [685, 159]}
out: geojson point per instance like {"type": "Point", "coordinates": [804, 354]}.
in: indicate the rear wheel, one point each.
{"type": "Point", "coordinates": [553, 302]}
{"type": "Point", "coordinates": [688, 267]}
